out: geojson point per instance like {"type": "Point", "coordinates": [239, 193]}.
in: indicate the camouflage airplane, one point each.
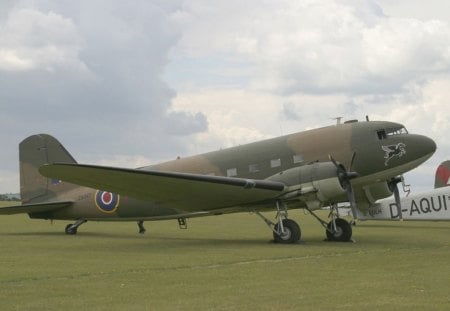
{"type": "Point", "coordinates": [346, 162]}
{"type": "Point", "coordinates": [428, 205]}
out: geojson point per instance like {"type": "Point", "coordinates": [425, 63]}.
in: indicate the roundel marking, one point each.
{"type": "Point", "coordinates": [106, 202]}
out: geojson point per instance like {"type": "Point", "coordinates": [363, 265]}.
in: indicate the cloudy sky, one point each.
{"type": "Point", "coordinates": [137, 82]}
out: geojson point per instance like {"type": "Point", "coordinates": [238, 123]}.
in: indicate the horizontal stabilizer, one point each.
{"type": "Point", "coordinates": [34, 208]}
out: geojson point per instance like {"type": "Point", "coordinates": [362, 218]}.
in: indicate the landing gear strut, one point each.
{"type": "Point", "coordinates": [285, 230]}
{"type": "Point", "coordinates": [72, 228]}
{"type": "Point", "coordinates": [140, 224]}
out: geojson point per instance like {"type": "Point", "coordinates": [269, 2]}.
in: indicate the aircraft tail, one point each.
{"type": "Point", "coordinates": [442, 175]}
{"type": "Point", "coordinates": [34, 152]}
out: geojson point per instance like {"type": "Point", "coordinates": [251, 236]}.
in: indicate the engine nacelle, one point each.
{"type": "Point", "coordinates": [317, 184]}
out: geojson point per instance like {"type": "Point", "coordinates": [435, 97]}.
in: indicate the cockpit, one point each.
{"type": "Point", "coordinates": [385, 133]}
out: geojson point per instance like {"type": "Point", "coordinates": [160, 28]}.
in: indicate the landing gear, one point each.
{"type": "Point", "coordinates": [286, 230]}
{"type": "Point", "coordinates": [70, 230]}
{"type": "Point", "coordinates": [290, 234]}
{"type": "Point", "coordinates": [141, 227]}
{"type": "Point", "coordinates": [73, 228]}
{"type": "Point", "coordinates": [338, 229]}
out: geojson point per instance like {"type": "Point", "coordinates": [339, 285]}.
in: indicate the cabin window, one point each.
{"type": "Point", "coordinates": [253, 168]}
{"type": "Point", "coordinates": [275, 163]}
{"type": "Point", "coordinates": [297, 158]}
{"type": "Point", "coordinates": [231, 172]}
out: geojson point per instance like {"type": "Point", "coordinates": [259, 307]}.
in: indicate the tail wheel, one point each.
{"type": "Point", "coordinates": [291, 233]}
{"type": "Point", "coordinates": [70, 229]}
{"type": "Point", "coordinates": [343, 232]}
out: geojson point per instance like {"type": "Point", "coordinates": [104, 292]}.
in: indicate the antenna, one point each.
{"type": "Point", "coordinates": [338, 120]}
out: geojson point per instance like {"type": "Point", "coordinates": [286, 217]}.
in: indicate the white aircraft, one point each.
{"type": "Point", "coordinates": [429, 205]}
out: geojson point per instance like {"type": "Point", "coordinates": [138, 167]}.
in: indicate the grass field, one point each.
{"type": "Point", "coordinates": [222, 263]}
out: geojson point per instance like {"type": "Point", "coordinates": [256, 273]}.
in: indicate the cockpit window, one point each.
{"type": "Point", "coordinates": [396, 131]}
{"type": "Point", "coordinates": [384, 133]}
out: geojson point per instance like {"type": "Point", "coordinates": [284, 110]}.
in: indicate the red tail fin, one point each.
{"type": "Point", "coordinates": [442, 175]}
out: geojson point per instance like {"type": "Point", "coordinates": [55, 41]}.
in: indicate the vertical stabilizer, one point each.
{"type": "Point", "coordinates": [34, 152]}
{"type": "Point", "coordinates": [442, 175]}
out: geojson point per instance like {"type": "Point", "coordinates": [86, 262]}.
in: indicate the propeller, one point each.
{"type": "Point", "coordinates": [352, 160]}
{"type": "Point", "coordinates": [344, 178]}
{"type": "Point", "coordinates": [392, 184]}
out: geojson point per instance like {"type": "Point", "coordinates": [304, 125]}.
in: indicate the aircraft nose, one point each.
{"type": "Point", "coordinates": [427, 145]}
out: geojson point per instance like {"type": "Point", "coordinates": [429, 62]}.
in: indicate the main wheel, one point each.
{"type": "Point", "coordinates": [70, 230]}
{"type": "Point", "coordinates": [343, 231]}
{"type": "Point", "coordinates": [291, 234]}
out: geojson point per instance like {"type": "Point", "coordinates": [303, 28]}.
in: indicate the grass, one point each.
{"type": "Point", "coordinates": [222, 263]}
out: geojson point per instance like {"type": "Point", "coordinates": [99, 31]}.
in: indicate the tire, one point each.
{"type": "Point", "coordinates": [70, 230]}
{"type": "Point", "coordinates": [292, 232]}
{"type": "Point", "coordinates": [343, 231]}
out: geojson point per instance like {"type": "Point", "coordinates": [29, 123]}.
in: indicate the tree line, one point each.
{"type": "Point", "coordinates": [9, 197]}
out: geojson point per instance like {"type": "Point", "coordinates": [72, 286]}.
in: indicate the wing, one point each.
{"type": "Point", "coordinates": [34, 208]}
{"type": "Point", "coordinates": [186, 192]}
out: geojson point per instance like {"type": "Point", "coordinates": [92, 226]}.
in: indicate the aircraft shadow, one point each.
{"type": "Point", "coordinates": [31, 234]}
{"type": "Point", "coordinates": [166, 240]}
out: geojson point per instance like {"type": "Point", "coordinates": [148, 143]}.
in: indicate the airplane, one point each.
{"type": "Point", "coordinates": [355, 162]}
{"type": "Point", "coordinates": [428, 205]}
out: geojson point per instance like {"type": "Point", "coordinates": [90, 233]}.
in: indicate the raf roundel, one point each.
{"type": "Point", "coordinates": [107, 202]}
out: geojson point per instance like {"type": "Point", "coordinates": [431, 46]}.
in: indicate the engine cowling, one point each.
{"type": "Point", "coordinates": [317, 184]}
{"type": "Point", "coordinates": [372, 193]}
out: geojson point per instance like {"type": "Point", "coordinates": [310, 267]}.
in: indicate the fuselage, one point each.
{"type": "Point", "coordinates": [263, 159]}
{"type": "Point", "coordinates": [376, 150]}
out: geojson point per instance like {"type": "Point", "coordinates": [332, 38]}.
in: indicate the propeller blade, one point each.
{"type": "Point", "coordinates": [345, 177]}
{"type": "Point", "coordinates": [393, 186]}
{"type": "Point", "coordinates": [333, 160]}
{"type": "Point", "coordinates": [352, 160]}
{"type": "Point", "coordinates": [352, 200]}
{"type": "Point", "coordinates": [398, 202]}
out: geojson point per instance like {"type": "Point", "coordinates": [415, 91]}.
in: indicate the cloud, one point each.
{"type": "Point", "coordinates": [90, 73]}
{"type": "Point", "coordinates": [320, 47]}
{"type": "Point", "coordinates": [124, 83]}
{"type": "Point", "coordinates": [234, 116]}
{"type": "Point", "coordinates": [33, 40]}
{"type": "Point", "coordinates": [310, 61]}
{"type": "Point", "coordinates": [183, 123]}
{"type": "Point", "coordinates": [96, 72]}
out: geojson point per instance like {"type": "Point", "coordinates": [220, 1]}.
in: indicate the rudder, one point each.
{"type": "Point", "coordinates": [34, 152]}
